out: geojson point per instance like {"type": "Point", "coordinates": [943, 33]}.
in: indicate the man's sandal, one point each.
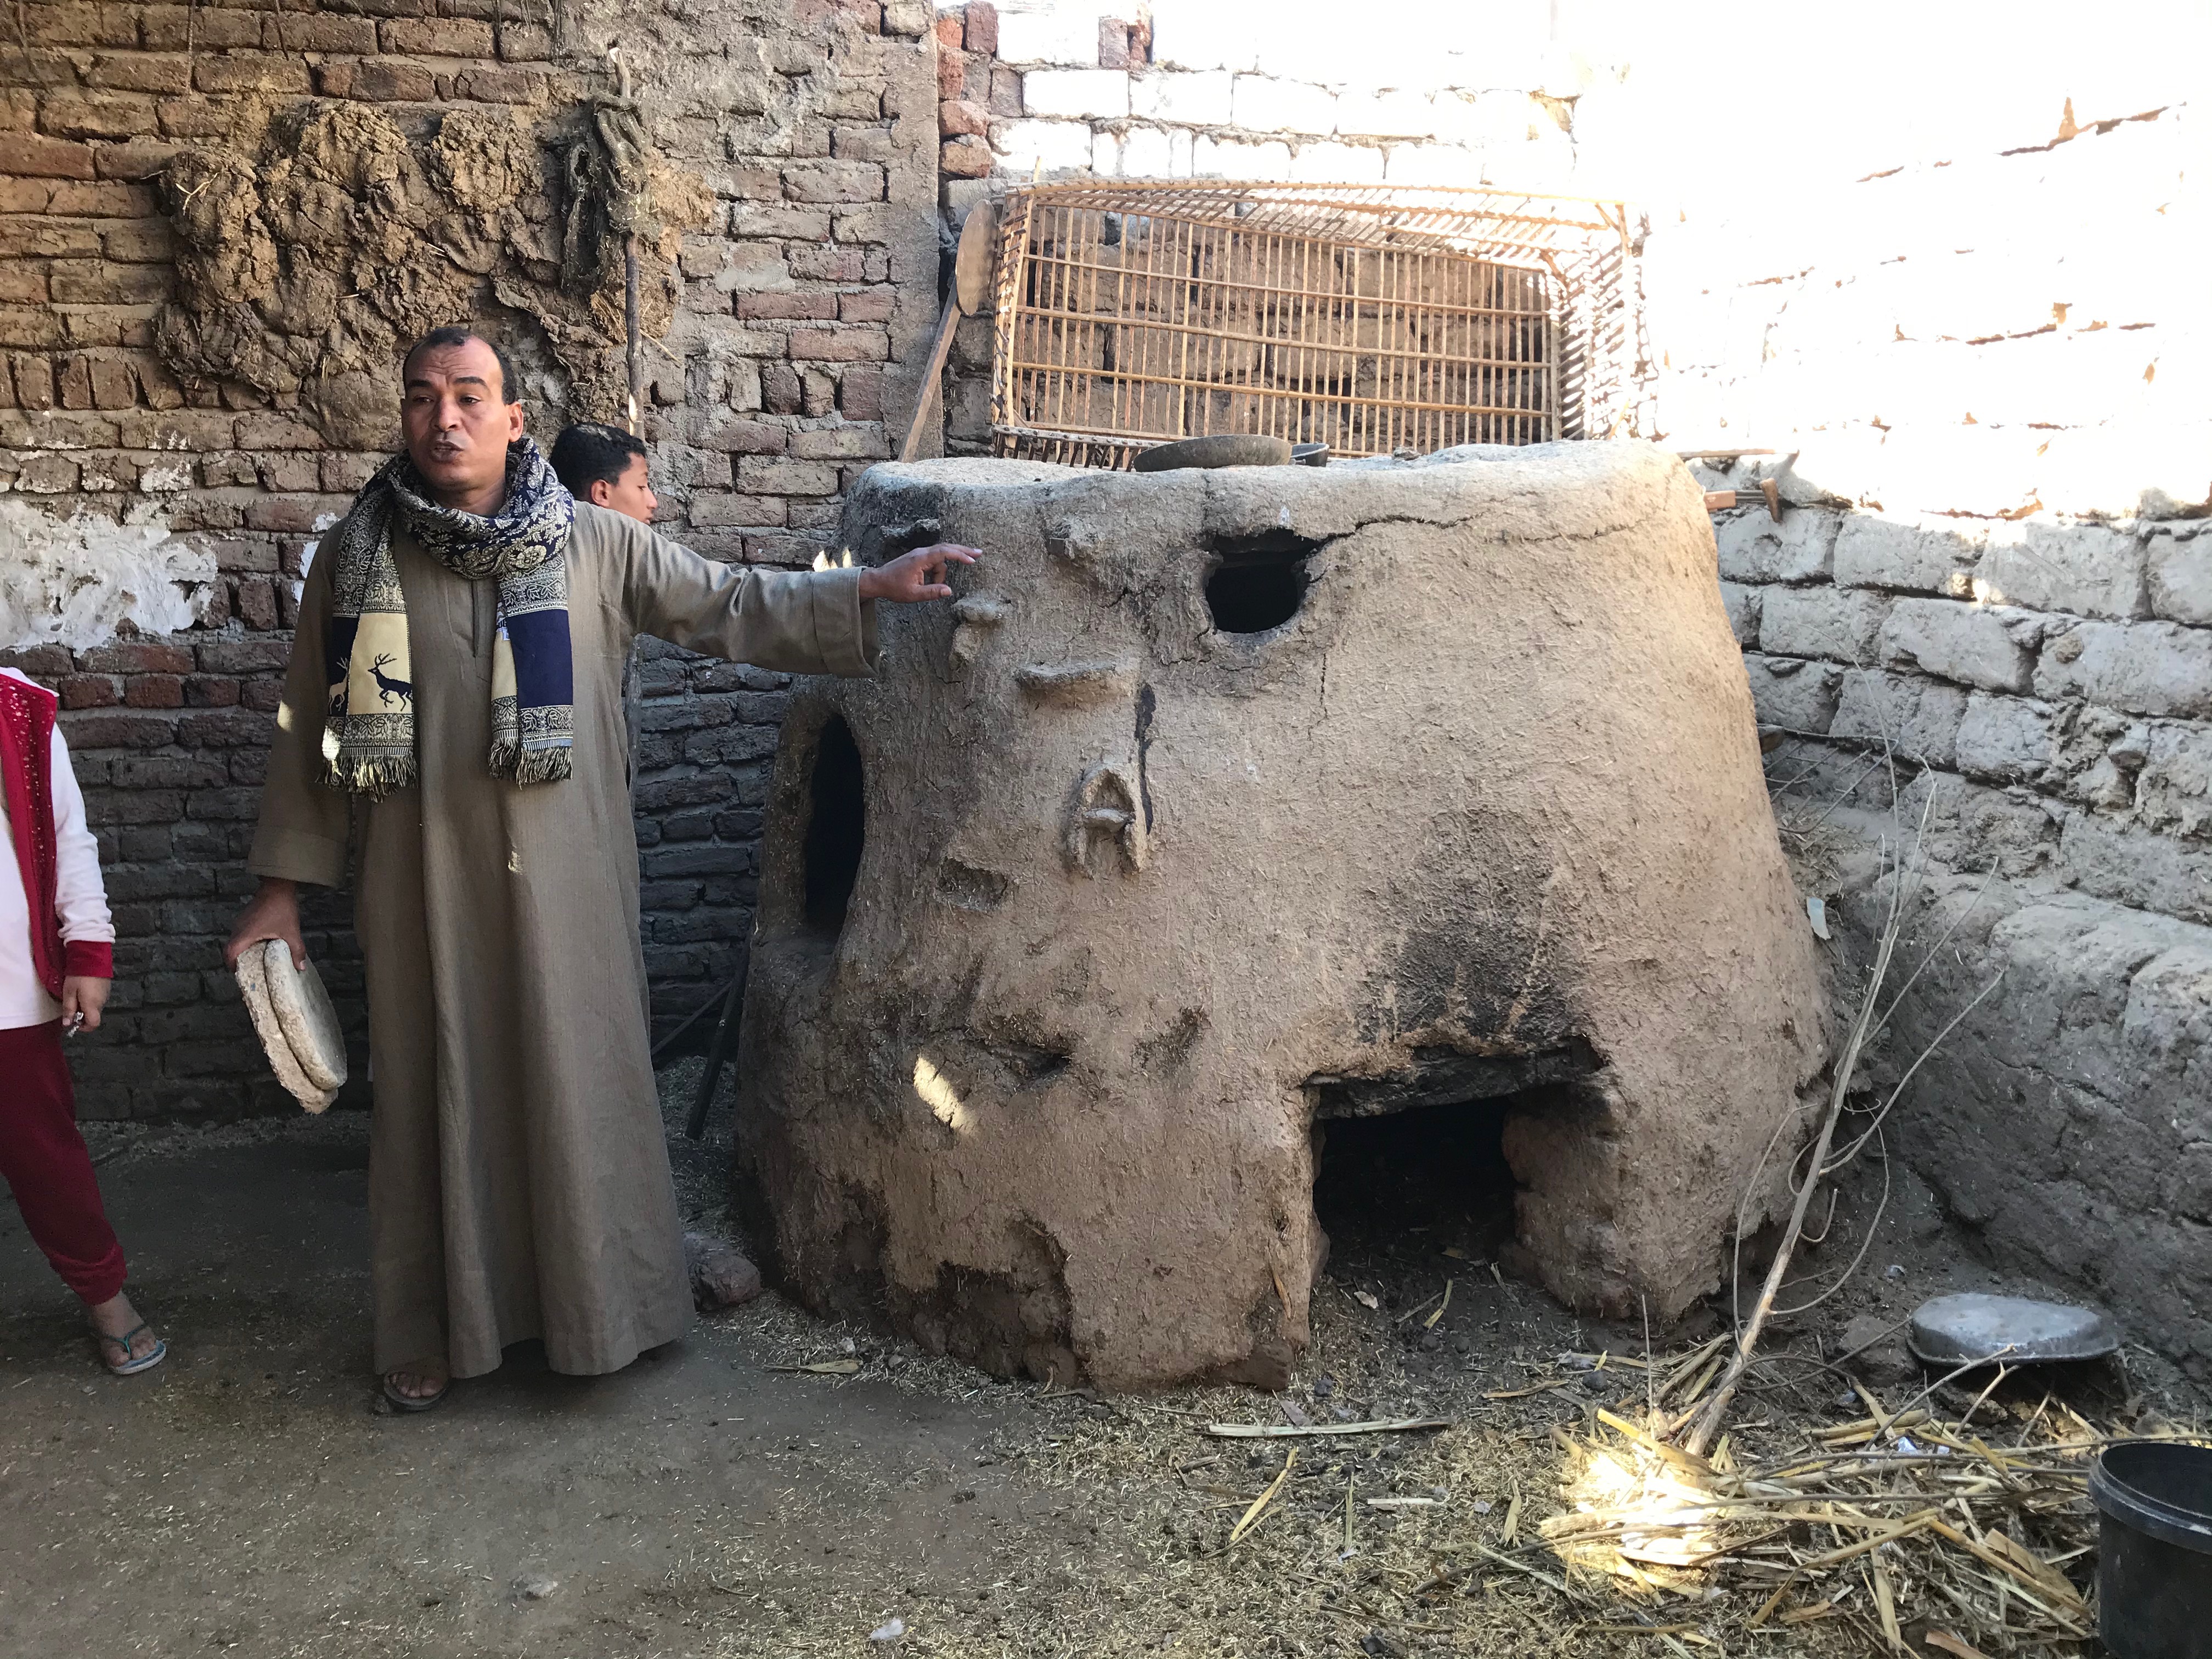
{"type": "Point", "coordinates": [406, 1402]}
{"type": "Point", "coordinates": [129, 1366]}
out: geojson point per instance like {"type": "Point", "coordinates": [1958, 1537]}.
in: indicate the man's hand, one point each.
{"type": "Point", "coordinates": [273, 913]}
{"type": "Point", "coordinates": [918, 575]}
{"type": "Point", "coordinates": [82, 1000]}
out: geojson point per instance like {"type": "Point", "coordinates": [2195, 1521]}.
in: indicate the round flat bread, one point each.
{"type": "Point", "coordinates": [253, 986]}
{"type": "Point", "coordinates": [303, 1010]}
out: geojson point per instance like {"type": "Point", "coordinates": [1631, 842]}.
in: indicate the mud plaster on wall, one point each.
{"type": "Point", "coordinates": [77, 581]}
{"type": "Point", "coordinates": [317, 242]}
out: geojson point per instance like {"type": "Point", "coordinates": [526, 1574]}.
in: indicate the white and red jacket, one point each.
{"type": "Point", "coordinates": [54, 921]}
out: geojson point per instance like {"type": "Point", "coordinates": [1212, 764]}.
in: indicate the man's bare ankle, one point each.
{"type": "Point", "coordinates": [419, 1380]}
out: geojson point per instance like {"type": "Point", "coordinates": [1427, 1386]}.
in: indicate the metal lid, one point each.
{"type": "Point", "coordinates": [1971, 1327]}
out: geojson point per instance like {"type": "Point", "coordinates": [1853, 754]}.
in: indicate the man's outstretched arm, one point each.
{"type": "Point", "coordinates": [795, 622]}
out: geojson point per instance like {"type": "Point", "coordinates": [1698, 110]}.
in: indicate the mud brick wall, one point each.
{"type": "Point", "coordinates": [1994, 558]}
{"type": "Point", "coordinates": [154, 528]}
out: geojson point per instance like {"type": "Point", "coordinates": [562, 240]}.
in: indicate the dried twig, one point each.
{"type": "Point", "coordinates": [1707, 1422]}
{"type": "Point", "coordinates": [1317, 1430]}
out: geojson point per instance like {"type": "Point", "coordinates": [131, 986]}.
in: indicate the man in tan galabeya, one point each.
{"type": "Point", "coordinates": [454, 695]}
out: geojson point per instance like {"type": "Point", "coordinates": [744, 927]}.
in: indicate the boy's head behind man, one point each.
{"type": "Point", "coordinates": [606, 466]}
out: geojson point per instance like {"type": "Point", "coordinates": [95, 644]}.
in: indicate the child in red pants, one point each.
{"type": "Point", "coordinates": [56, 960]}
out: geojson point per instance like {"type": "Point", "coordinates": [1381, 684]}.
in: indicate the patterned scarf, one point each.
{"type": "Point", "coordinates": [368, 742]}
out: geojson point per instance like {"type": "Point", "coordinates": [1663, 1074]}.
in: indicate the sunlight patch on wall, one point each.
{"type": "Point", "coordinates": [76, 581]}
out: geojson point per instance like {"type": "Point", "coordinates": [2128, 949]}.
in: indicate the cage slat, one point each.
{"type": "Point", "coordinates": [1372, 318]}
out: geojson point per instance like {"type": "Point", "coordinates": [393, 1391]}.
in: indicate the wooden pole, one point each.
{"type": "Point", "coordinates": [630, 319]}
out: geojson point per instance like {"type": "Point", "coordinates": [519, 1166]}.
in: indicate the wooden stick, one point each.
{"type": "Point", "coordinates": [1708, 1421]}
{"type": "Point", "coordinates": [1285, 1431]}
{"type": "Point", "coordinates": [927, 399]}
{"type": "Point", "coordinates": [630, 321]}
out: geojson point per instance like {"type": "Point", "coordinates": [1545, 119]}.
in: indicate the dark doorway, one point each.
{"type": "Point", "coordinates": [1395, 1191]}
{"type": "Point", "coordinates": [837, 827]}
{"type": "Point", "coordinates": [1260, 582]}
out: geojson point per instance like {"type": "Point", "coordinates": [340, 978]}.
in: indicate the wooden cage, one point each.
{"type": "Point", "coordinates": [1373, 320]}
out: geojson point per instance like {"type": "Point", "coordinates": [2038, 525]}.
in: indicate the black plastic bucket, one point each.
{"type": "Point", "coordinates": [2155, 1549]}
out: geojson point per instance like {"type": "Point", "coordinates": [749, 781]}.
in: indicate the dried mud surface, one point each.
{"type": "Point", "coordinates": [317, 241]}
{"type": "Point", "coordinates": [247, 1498]}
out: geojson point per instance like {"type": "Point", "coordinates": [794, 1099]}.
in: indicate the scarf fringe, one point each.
{"type": "Point", "coordinates": [374, 778]}
{"type": "Point", "coordinates": [529, 766]}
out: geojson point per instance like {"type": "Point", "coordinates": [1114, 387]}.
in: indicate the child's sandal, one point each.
{"type": "Point", "coordinates": [129, 1366]}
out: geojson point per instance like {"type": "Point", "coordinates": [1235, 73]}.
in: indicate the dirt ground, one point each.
{"type": "Point", "coordinates": [251, 1497]}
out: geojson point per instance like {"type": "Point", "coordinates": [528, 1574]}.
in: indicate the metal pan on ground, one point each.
{"type": "Point", "coordinates": [2013, 1330]}
{"type": "Point", "coordinates": [1224, 449]}
{"type": "Point", "coordinates": [1309, 454]}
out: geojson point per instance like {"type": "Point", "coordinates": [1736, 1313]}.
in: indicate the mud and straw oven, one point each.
{"type": "Point", "coordinates": [1221, 806]}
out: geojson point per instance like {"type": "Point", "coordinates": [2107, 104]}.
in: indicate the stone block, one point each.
{"type": "Point", "coordinates": [721, 430]}
{"type": "Point", "coordinates": [1075, 94]}
{"type": "Point", "coordinates": [1059, 34]}
{"type": "Point", "coordinates": [2090, 570]}
{"type": "Point", "coordinates": [1328, 163]}
{"type": "Point", "coordinates": [211, 29]}
{"type": "Point", "coordinates": [1984, 646]}
{"type": "Point", "coordinates": [1057, 146]}
{"type": "Point", "coordinates": [33, 156]}
{"type": "Point", "coordinates": [841, 443]}
{"type": "Point", "coordinates": [788, 304]}
{"type": "Point", "coordinates": [1397, 113]}
{"type": "Point", "coordinates": [872, 305]}
{"type": "Point", "coordinates": [956, 117]}
{"type": "Point", "coordinates": [99, 283]}
{"type": "Point", "coordinates": [2142, 668]}
{"type": "Point", "coordinates": [1152, 153]}
{"type": "Point", "coordinates": [140, 159]}
{"type": "Point", "coordinates": [2173, 788]}
{"type": "Point", "coordinates": [437, 37]}
{"type": "Point", "coordinates": [764, 476]}
{"type": "Point", "coordinates": [2008, 739]}
{"type": "Point", "coordinates": [1112, 44]}
{"type": "Point", "coordinates": [486, 84]}
{"type": "Point", "coordinates": [965, 158]}
{"type": "Point", "coordinates": [96, 114]}
{"type": "Point", "coordinates": [833, 182]}
{"type": "Point", "coordinates": [2181, 571]}
{"type": "Point", "coordinates": [980, 26]}
{"type": "Point", "coordinates": [2139, 868]}
{"type": "Point", "coordinates": [1918, 717]}
{"type": "Point", "coordinates": [1792, 693]}
{"type": "Point", "coordinates": [1753, 548]}
{"type": "Point", "coordinates": [1230, 158]}
{"type": "Point", "coordinates": [1199, 99]}
{"type": "Point", "coordinates": [376, 82]}
{"type": "Point", "coordinates": [1261, 103]}
{"type": "Point", "coordinates": [529, 43]}
{"type": "Point", "coordinates": [951, 73]}
{"type": "Point", "coordinates": [861, 394]}
{"type": "Point", "coordinates": [1872, 552]}
{"type": "Point", "coordinates": [1743, 605]}
{"type": "Point", "coordinates": [318, 32]}
{"type": "Point", "coordinates": [858, 343]}
{"type": "Point", "coordinates": [1448, 165]}
{"type": "Point", "coordinates": [1840, 623]}
{"type": "Point", "coordinates": [253, 72]}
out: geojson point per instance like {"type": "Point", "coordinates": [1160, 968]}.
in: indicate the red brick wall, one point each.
{"type": "Point", "coordinates": [803, 309]}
